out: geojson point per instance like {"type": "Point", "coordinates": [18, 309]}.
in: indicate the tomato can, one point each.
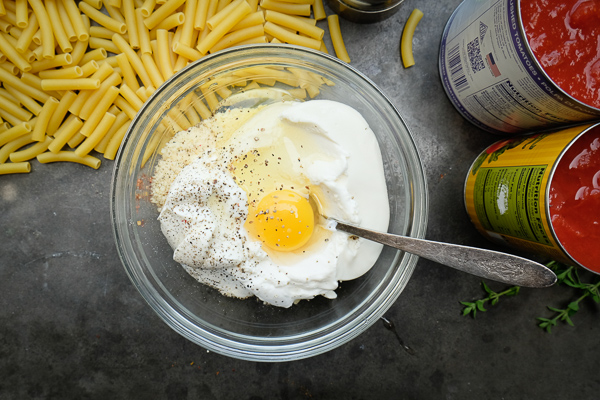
{"type": "Point", "coordinates": [493, 78]}
{"type": "Point", "coordinates": [520, 191]}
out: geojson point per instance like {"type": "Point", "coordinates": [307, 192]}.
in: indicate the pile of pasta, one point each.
{"type": "Point", "coordinates": [73, 76]}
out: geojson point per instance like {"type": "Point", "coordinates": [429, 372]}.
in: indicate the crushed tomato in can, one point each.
{"type": "Point", "coordinates": [541, 193]}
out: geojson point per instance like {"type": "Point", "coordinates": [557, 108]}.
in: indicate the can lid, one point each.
{"type": "Point", "coordinates": [365, 11]}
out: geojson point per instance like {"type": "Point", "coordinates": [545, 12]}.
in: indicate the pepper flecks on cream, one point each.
{"type": "Point", "coordinates": [222, 186]}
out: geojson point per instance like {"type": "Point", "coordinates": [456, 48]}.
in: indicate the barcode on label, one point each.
{"type": "Point", "coordinates": [457, 74]}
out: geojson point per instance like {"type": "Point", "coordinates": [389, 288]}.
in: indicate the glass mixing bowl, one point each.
{"type": "Point", "coordinates": [248, 329]}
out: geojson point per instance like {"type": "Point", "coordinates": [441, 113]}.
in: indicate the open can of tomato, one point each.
{"type": "Point", "coordinates": [541, 193]}
{"type": "Point", "coordinates": [521, 66]}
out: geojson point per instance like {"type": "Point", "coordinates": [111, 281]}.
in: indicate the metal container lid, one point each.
{"type": "Point", "coordinates": [365, 11]}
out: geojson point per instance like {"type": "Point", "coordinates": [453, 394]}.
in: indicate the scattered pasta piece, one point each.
{"type": "Point", "coordinates": [406, 49]}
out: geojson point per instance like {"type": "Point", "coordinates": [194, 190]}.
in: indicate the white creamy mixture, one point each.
{"type": "Point", "coordinates": [238, 157]}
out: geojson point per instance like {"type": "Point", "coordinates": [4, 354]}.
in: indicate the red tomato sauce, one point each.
{"type": "Point", "coordinates": [575, 200]}
{"type": "Point", "coordinates": [564, 36]}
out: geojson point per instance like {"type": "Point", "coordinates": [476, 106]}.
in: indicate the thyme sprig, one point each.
{"type": "Point", "coordinates": [492, 297]}
{"type": "Point", "coordinates": [569, 276]}
{"type": "Point", "coordinates": [565, 274]}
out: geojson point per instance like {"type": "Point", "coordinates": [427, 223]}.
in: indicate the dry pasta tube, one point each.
{"type": "Point", "coordinates": [288, 37]}
{"type": "Point", "coordinates": [131, 97]}
{"type": "Point", "coordinates": [148, 7]}
{"type": "Point", "coordinates": [76, 20]}
{"type": "Point", "coordinates": [235, 37]}
{"type": "Point", "coordinates": [96, 136]}
{"type": "Point", "coordinates": [30, 152]}
{"type": "Point", "coordinates": [296, 24]}
{"type": "Point", "coordinates": [96, 118]}
{"type": "Point", "coordinates": [127, 71]}
{"type": "Point", "coordinates": [15, 110]}
{"type": "Point", "coordinates": [143, 34]}
{"type": "Point", "coordinates": [61, 111]}
{"type": "Point", "coordinates": [115, 142]}
{"type": "Point", "coordinates": [70, 84]}
{"type": "Point", "coordinates": [27, 101]}
{"type": "Point", "coordinates": [286, 8]}
{"type": "Point", "coordinates": [122, 118]}
{"type": "Point", "coordinates": [69, 156]}
{"type": "Point", "coordinates": [133, 59]}
{"type": "Point", "coordinates": [185, 51]}
{"type": "Point", "coordinates": [99, 96]}
{"type": "Point", "coordinates": [319, 10]}
{"type": "Point", "coordinates": [13, 55]}
{"type": "Point", "coordinates": [225, 26]}
{"type": "Point", "coordinates": [39, 130]}
{"type": "Point", "coordinates": [126, 107]}
{"type": "Point", "coordinates": [97, 54]}
{"type": "Point", "coordinates": [153, 71]}
{"type": "Point", "coordinates": [15, 132]}
{"type": "Point", "coordinates": [22, 14]}
{"type": "Point", "coordinates": [172, 21]}
{"type": "Point", "coordinates": [45, 27]}
{"type": "Point", "coordinates": [70, 127]}
{"type": "Point", "coordinates": [339, 47]}
{"type": "Point", "coordinates": [164, 53]}
{"type": "Point", "coordinates": [57, 27]}
{"type": "Point", "coordinates": [15, 168]}
{"type": "Point", "coordinates": [406, 49]}
{"type": "Point", "coordinates": [216, 19]}
{"type": "Point", "coordinates": [200, 15]}
{"type": "Point", "coordinates": [256, 18]}
{"type": "Point", "coordinates": [102, 19]}
{"type": "Point", "coordinates": [131, 22]}
{"type": "Point", "coordinates": [16, 144]}
{"type": "Point", "coordinates": [63, 73]}
{"type": "Point", "coordinates": [76, 140]}
{"type": "Point", "coordinates": [60, 60]}
{"type": "Point", "coordinates": [162, 12]}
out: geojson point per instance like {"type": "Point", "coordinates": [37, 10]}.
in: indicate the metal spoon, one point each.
{"type": "Point", "coordinates": [489, 264]}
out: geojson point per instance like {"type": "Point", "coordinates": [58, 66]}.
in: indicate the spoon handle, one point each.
{"type": "Point", "coordinates": [489, 264]}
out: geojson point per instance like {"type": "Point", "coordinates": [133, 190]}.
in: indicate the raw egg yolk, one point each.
{"type": "Point", "coordinates": [283, 221]}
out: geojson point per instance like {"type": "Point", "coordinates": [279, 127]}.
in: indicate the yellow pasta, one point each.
{"type": "Point", "coordinates": [256, 18]}
{"type": "Point", "coordinates": [407, 36]}
{"type": "Point", "coordinates": [148, 7]}
{"type": "Point", "coordinates": [66, 131]}
{"type": "Point", "coordinates": [171, 22]}
{"type": "Point", "coordinates": [221, 4]}
{"type": "Point", "coordinates": [100, 97]}
{"type": "Point", "coordinates": [121, 120]}
{"type": "Point", "coordinates": [27, 101]}
{"type": "Point", "coordinates": [12, 146]}
{"type": "Point", "coordinates": [15, 168]}
{"type": "Point", "coordinates": [163, 53]}
{"type": "Point", "coordinates": [216, 19]}
{"type": "Point", "coordinates": [286, 8]}
{"type": "Point", "coordinates": [98, 54]}
{"type": "Point", "coordinates": [295, 24]}
{"type": "Point", "coordinates": [82, 97]}
{"type": "Point", "coordinates": [131, 97]}
{"type": "Point", "coordinates": [96, 136]}
{"type": "Point", "coordinates": [238, 36]}
{"type": "Point", "coordinates": [79, 51]}
{"type": "Point", "coordinates": [94, 3]}
{"type": "Point", "coordinates": [127, 72]}
{"type": "Point", "coordinates": [187, 29]}
{"type": "Point", "coordinates": [22, 14]}
{"type": "Point", "coordinates": [187, 52]}
{"type": "Point", "coordinates": [70, 84]}
{"type": "Point", "coordinates": [7, 78]}
{"type": "Point", "coordinates": [131, 22]}
{"type": "Point", "coordinates": [162, 12]}
{"type": "Point", "coordinates": [108, 45]}
{"type": "Point", "coordinates": [59, 61]}
{"type": "Point", "coordinates": [114, 12]}
{"type": "Point", "coordinates": [60, 112]}
{"type": "Point", "coordinates": [339, 47]}
{"type": "Point", "coordinates": [26, 37]}
{"type": "Point", "coordinates": [229, 22]}
{"type": "Point", "coordinates": [76, 20]}
{"type": "Point", "coordinates": [63, 73]}
{"type": "Point", "coordinates": [288, 37]}
{"type": "Point", "coordinates": [15, 110]}
{"type": "Point", "coordinates": [4, 93]}
{"type": "Point", "coordinates": [30, 152]}
{"type": "Point", "coordinates": [59, 31]}
{"type": "Point", "coordinates": [115, 142]}
{"type": "Point", "coordinates": [152, 70]}
{"type": "Point", "coordinates": [13, 55]}
{"type": "Point", "coordinates": [15, 132]}
{"type": "Point", "coordinates": [143, 33]}
{"type": "Point", "coordinates": [133, 58]}
{"type": "Point", "coordinates": [115, 3]}
{"type": "Point", "coordinates": [200, 15]}
{"type": "Point", "coordinates": [69, 156]}
{"type": "Point", "coordinates": [125, 106]}
{"type": "Point", "coordinates": [66, 21]}
{"type": "Point", "coordinates": [39, 129]}
{"type": "Point", "coordinates": [318, 10]}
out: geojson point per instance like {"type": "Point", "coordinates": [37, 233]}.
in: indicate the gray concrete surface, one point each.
{"type": "Point", "coordinates": [72, 326]}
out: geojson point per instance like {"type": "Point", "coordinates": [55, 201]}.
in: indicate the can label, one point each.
{"type": "Point", "coordinates": [493, 79]}
{"type": "Point", "coordinates": [506, 191]}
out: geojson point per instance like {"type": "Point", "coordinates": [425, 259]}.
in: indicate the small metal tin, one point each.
{"type": "Point", "coordinates": [365, 11]}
